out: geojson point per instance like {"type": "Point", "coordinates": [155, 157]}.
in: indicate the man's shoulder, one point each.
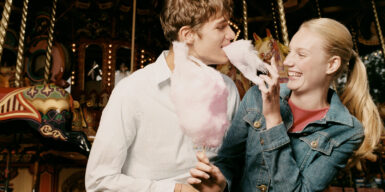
{"type": "Point", "coordinates": [229, 82]}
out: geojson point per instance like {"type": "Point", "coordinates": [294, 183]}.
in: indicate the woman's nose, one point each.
{"type": "Point", "coordinates": [288, 60]}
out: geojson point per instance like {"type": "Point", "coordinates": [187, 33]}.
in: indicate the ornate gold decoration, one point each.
{"type": "Point", "coordinates": [378, 27]}
{"type": "Point", "coordinates": [281, 11]}
{"type": "Point", "coordinates": [49, 47]}
{"type": "Point", "coordinates": [245, 32]}
{"type": "Point", "coordinates": [236, 28]}
{"type": "Point", "coordinates": [47, 104]}
{"type": "Point", "coordinates": [20, 48]}
{"type": "Point", "coordinates": [20, 109]}
{"type": "Point", "coordinates": [48, 131]}
{"type": "Point", "coordinates": [4, 24]}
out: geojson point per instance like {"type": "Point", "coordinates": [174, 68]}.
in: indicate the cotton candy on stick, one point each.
{"type": "Point", "coordinates": [199, 94]}
{"type": "Point", "coordinates": [245, 58]}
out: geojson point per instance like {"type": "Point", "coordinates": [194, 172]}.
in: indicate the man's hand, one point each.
{"type": "Point", "coordinates": [206, 176]}
{"type": "Point", "coordinates": [179, 187]}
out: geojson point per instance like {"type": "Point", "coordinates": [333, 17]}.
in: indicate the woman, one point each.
{"type": "Point", "coordinates": [295, 137]}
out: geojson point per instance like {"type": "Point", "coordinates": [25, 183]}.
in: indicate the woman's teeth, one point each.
{"type": "Point", "coordinates": [294, 74]}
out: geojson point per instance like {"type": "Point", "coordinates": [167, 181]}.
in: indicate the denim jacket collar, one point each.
{"type": "Point", "coordinates": [337, 113]}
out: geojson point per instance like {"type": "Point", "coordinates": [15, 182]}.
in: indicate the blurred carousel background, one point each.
{"type": "Point", "coordinates": [60, 60]}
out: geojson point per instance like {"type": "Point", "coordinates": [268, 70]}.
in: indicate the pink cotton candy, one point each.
{"type": "Point", "coordinates": [200, 97]}
{"type": "Point", "coordinates": [245, 58]}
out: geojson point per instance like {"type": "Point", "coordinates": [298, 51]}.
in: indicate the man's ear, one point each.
{"type": "Point", "coordinates": [186, 34]}
{"type": "Point", "coordinates": [334, 64]}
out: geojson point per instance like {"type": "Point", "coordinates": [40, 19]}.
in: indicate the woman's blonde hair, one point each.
{"type": "Point", "coordinates": [192, 13]}
{"type": "Point", "coordinates": [355, 96]}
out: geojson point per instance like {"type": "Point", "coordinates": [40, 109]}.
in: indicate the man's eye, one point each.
{"type": "Point", "coordinates": [221, 27]}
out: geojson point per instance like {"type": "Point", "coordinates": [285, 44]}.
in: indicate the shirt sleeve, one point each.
{"type": "Point", "coordinates": [115, 135]}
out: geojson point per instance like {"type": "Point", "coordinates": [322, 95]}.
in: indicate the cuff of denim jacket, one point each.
{"type": "Point", "coordinates": [274, 138]}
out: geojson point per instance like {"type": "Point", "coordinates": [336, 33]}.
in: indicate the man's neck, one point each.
{"type": "Point", "coordinates": [170, 60]}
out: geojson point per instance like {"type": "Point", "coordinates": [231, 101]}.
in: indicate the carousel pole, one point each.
{"type": "Point", "coordinates": [36, 175]}
{"type": "Point", "coordinates": [4, 24]}
{"type": "Point", "coordinates": [20, 48]}
{"type": "Point", "coordinates": [273, 12]}
{"type": "Point", "coordinates": [318, 9]}
{"type": "Point", "coordinates": [48, 54]}
{"type": "Point", "coordinates": [133, 36]}
{"type": "Point", "coordinates": [379, 31]}
{"type": "Point", "coordinates": [7, 166]}
{"type": "Point", "coordinates": [354, 38]}
{"type": "Point", "coordinates": [245, 32]}
{"type": "Point", "coordinates": [281, 11]}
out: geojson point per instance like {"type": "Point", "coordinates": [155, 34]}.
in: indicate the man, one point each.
{"type": "Point", "coordinates": [139, 145]}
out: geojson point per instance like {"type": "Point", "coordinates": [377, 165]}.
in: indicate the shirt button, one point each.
{"type": "Point", "coordinates": [261, 141]}
{"type": "Point", "coordinates": [257, 124]}
{"type": "Point", "coordinates": [314, 144]}
{"type": "Point", "coordinates": [263, 188]}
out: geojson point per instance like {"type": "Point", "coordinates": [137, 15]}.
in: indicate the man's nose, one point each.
{"type": "Point", "coordinates": [230, 33]}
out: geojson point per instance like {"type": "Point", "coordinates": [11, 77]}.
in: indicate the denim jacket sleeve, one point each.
{"type": "Point", "coordinates": [231, 155]}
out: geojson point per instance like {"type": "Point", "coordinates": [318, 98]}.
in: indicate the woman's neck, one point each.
{"type": "Point", "coordinates": [311, 100]}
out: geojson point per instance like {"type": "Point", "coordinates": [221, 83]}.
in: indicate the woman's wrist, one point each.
{"type": "Point", "coordinates": [273, 120]}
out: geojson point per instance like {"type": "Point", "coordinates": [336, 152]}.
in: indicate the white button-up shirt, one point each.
{"type": "Point", "coordinates": [139, 145]}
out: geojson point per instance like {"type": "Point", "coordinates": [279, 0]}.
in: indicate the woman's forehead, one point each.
{"type": "Point", "coordinates": [306, 39]}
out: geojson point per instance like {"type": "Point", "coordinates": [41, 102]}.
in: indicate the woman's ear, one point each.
{"type": "Point", "coordinates": [334, 64]}
{"type": "Point", "coordinates": [186, 34]}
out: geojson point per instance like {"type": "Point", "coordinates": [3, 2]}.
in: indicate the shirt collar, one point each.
{"type": "Point", "coordinates": [164, 72]}
{"type": "Point", "coordinates": [337, 112]}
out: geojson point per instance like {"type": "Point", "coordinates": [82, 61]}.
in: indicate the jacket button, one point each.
{"type": "Point", "coordinates": [257, 124]}
{"type": "Point", "coordinates": [314, 144]}
{"type": "Point", "coordinates": [261, 141]}
{"type": "Point", "coordinates": [263, 188]}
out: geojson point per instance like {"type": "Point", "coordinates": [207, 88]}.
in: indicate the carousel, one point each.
{"type": "Point", "coordinates": [60, 60]}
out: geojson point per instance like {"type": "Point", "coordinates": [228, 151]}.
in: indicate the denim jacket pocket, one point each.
{"type": "Point", "coordinates": [255, 119]}
{"type": "Point", "coordinates": [319, 141]}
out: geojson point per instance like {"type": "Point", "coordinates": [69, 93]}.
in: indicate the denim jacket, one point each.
{"type": "Point", "coordinates": [255, 159]}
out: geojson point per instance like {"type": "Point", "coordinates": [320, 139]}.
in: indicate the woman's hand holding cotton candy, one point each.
{"type": "Point", "coordinates": [245, 58]}
{"type": "Point", "coordinates": [269, 88]}
{"type": "Point", "coordinates": [199, 94]}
